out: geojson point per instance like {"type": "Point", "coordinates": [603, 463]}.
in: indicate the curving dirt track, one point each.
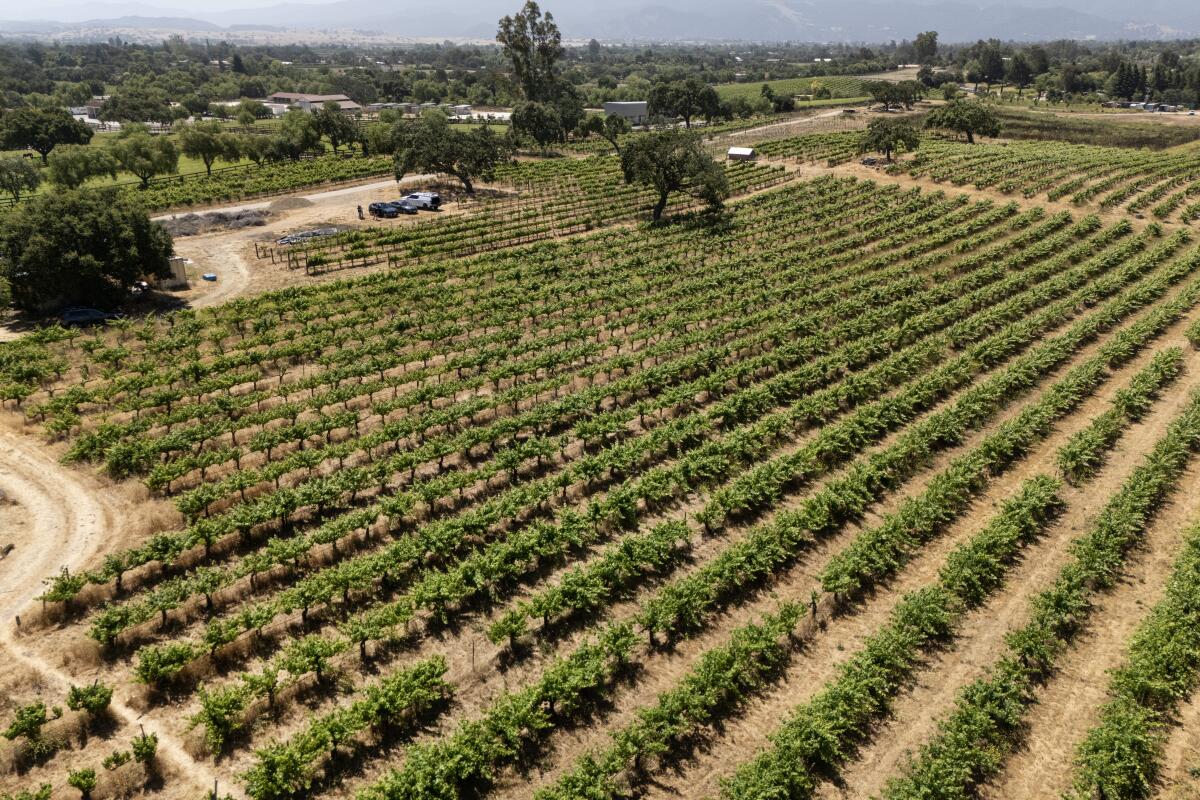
{"type": "Point", "coordinates": [67, 522]}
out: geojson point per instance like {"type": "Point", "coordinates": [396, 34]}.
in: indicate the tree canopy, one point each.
{"type": "Point", "coordinates": [82, 247]}
{"type": "Point", "coordinates": [926, 46]}
{"type": "Point", "coordinates": [894, 93]}
{"type": "Point", "coordinates": [533, 44]}
{"type": "Point", "coordinates": [612, 128]}
{"type": "Point", "coordinates": [674, 161]}
{"type": "Point", "coordinates": [139, 102]}
{"type": "Point", "coordinates": [41, 130]}
{"type": "Point", "coordinates": [18, 176]}
{"type": "Point", "coordinates": [888, 135]}
{"type": "Point", "coordinates": [73, 165]}
{"type": "Point", "coordinates": [966, 117]}
{"type": "Point", "coordinates": [539, 121]}
{"type": "Point", "coordinates": [685, 99]}
{"type": "Point", "coordinates": [430, 144]}
{"type": "Point", "coordinates": [144, 155]}
{"type": "Point", "coordinates": [297, 133]}
{"type": "Point", "coordinates": [209, 142]}
{"type": "Point", "coordinates": [335, 125]}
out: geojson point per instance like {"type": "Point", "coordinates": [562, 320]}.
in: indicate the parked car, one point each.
{"type": "Point", "coordinates": [79, 317]}
{"type": "Point", "coordinates": [429, 200]}
{"type": "Point", "coordinates": [384, 210]}
{"type": "Point", "coordinates": [404, 206]}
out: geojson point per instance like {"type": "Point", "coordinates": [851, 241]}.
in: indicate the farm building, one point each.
{"type": "Point", "coordinates": [741, 154]}
{"type": "Point", "coordinates": [314, 102]}
{"type": "Point", "coordinates": [634, 111]}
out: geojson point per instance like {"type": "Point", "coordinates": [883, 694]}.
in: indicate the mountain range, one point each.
{"type": "Point", "coordinates": [656, 20]}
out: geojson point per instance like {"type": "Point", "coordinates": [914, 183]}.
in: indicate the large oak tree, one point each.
{"type": "Point", "coordinates": [82, 247]}
{"type": "Point", "coordinates": [430, 144]}
{"type": "Point", "coordinates": [674, 161]}
{"type": "Point", "coordinates": [41, 130]}
{"type": "Point", "coordinates": [888, 136]}
{"type": "Point", "coordinates": [964, 116]}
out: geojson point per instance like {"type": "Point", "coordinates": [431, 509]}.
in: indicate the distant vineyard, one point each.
{"type": "Point", "coordinates": [842, 86]}
{"type": "Point", "coordinates": [1118, 130]}
{"type": "Point", "coordinates": [1163, 185]}
{"type": "Point", "coordinates": [255, 181]}
{"type": "Point", "coordinates": [550, 198]}
{"type": "Point", "coordinates": [828, 148]}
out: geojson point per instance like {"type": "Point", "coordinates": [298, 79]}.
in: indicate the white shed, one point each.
{"type": "Point", "coordinates": [636, 112]}
{"type": "Point", "coordinates": [741, 154]}
{"type": "Point", "coordinates": [178, 278]}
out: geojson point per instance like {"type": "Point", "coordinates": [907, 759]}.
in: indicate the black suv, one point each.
{"type": "Point", "coordinates": [391, 210]}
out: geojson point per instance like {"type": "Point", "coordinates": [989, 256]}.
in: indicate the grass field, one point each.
{"type": "Point", "coordinates": [841, 86]}
{"type": "Point", "coordinates": [1112, 130]}
{"type": "Point", "coordinates": [738, 507]}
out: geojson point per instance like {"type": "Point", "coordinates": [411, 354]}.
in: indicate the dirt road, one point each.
{"type": "Point", "coordinates": [314, 197]}
{"type": "Point", "coordinates": [65, 520]}
{"type": "Point", "coordinates": [64, 525]}
{"type": "Point", "coordinates": [226, 253]}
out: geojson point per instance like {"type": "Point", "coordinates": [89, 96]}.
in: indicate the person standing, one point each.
{"type": "Point", "coordinates": [360, 214]}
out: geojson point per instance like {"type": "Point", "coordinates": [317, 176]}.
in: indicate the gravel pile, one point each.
{"type": "Point", "coordinates": [289, 203]}
{"type": "Point", "coordinates": [192, 224]}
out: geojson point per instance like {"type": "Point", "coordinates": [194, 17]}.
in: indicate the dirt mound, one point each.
{"type": "Point", "coordinates": [192, 224]}
{"type": "Point", "coordinates": [289, 203]}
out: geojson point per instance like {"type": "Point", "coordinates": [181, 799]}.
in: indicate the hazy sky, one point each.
{"type": "Point", "coordinates": [622, 20]}
{"type": "Point", "coordinates": [22, 9]}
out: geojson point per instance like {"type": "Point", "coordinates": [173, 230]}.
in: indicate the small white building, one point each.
{"type": "Point", "coordinates": [315, 102]}
{"type": "Point", "coordinates": [635, 112]}
{"type": "Point", "coordinates": [741, 154]}
{"type": "Point", "coordinates": [178, 278]}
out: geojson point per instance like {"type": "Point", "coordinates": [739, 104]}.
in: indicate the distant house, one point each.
{"type": "Point", "coordinates": [635, 112]}
{"type": "Point", "coordinates": [314, 102]}
{"type": "Point", "coordinates": [740, 154]}
{"type": "Point", "coordinates": [92, 107]}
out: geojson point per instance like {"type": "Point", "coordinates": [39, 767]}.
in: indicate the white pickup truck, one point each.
{"type": "Point", "coordinates": [429, 200]}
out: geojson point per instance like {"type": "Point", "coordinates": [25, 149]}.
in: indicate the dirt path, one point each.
{"type": "Point", "coordinates": [170, 750]}
{"type": "Point", "coordinates": [314, 197]}
{"type": "Point", "coordinates": [791, 123]}
{"type": "Point", "coordinates": [223, 254]}
{"type": "Point", "coordinates": [1182, 754]}
{"type": "Point", "coordinates": [226, 253]}
{"type": "Point", "coordinates": [67, 522]}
